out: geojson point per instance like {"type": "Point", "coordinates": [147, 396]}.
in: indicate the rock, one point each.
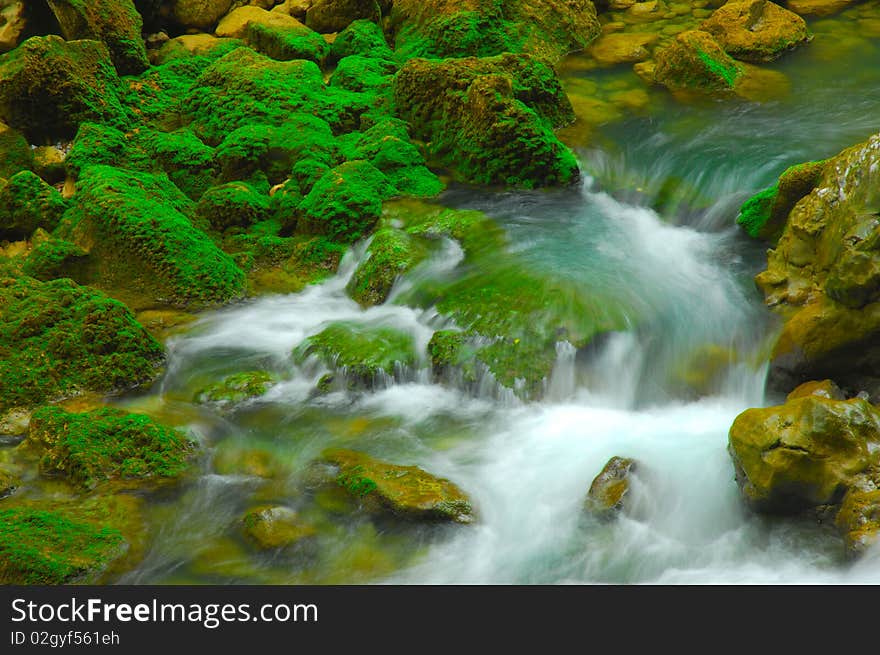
{"type": "Point", "coordinates": [405, 491]}
{"type": "Point", "coordinates": [106, 444]}
{"type": "Point", "coordinates": [756, 30]}
{"type": "Point", "coordinates": [607, 495]}
{"type": "Point", "coordinates": [824, 276]}
{"type": "Point", "coordinates": [275, 34]}
{"type": "Point", "coordinates": [822, 389]}
{"type": "Point", "coordinates": [187, 45]}
{"type": "Point", "coordinates": [15, 152]}
{"type": "Point", "coordinates": [247, 461]}
{"type": "Point", "coordinates": [694, 61]}
{"type": "Point", "coordinates": [55, 258]}
{"type": "Point", "coordinates": [48, 86]}
{"type": "Point", "coordinates": [489, 118]}
{"type": "Point", "coordinates": [295, 8]}
{"type": "Point", "coordinates": [237, 388]}
{"type": "Point", "coordinates": [8, 484]}
{"type": "Point", "coordinates": [622, 47]}
{"type": "Point", "coordinates": [116, 23]}
{"type": "Point", "coordinates": [15, 422]}
{"type": "Point", "coordinates": [818, 8]}
{"type": "Point", "coordinates": [391, 254]}
{"type": "Point", "coordinates": [231, 205]}
{"type": "Point", "coordinates": [275, 527]}
{"type": "Point", "coordinates": [362, 37]}
{"type": "Point", "coordinates": [365, 356]}
{"type": "Point", "coordinates": [199, 14]}
{"type": "Point", "coordinates": [859, 520]}
{"type": "Point", "coordinates": [59, 340]}
{"type": "Point", "coordinates": [49, 163]}
{"type": "Point", "coordinates": [805, 453]}
{"type": "Point", "coordinates": [13, 23]}
{"type": "Point", "coordinates": [335, 15]}
{"type": "Point", "coordinates": [28, 203]}
{"type": "Point", "coordinates": [136, 229]}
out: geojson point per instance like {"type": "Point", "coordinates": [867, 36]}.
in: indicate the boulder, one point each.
{"type": "Point", "coordinates": [59, 339]}
{"type": "Point", "coordinates": [859, 520]}
{"type": "Point", "coordinates": [116, 23]}
{"type": "Point", "coordinates": [607, 495]}
{"type": "Point", "coordinates": [335, 15]}
{"type": "Point", "coordinates": [199, 14]}
{"type": "Point", "coordinates": [805, 453]}
{"type": "Point", "coordinates": [271, 528]}
{"type": "Point", "coordinates": [15, 152]}
{"type": "Point", "coordinates": [821, 388]}
{"type": "Point", "coordinates": [818, 8]}
{"type": "Point", "coordinates": [695, 61]}
{"type": "Point", "coordinates": [622, 47]}
{"type": "Point", "coordinates": [391, 254]}
{"type": "Point", "coordinates": [405, 491]}
{"type": "Point", "coordinates": [48, 86]}
{"type": "Point", "coordinates": [362, 37]}
{"type": "Point", "coordinates": [28, 203]}
{"type": "Point", "coordinates": [8, 484]}
{"type": "Point", "coordinates": [756, 30]}
{"type": "Point", "coordinates": [106, 444]}
{"type": "Point", "coordinates": [13, 23]}
{"type": "Point", "coordinates": [233, 205]}
{"type": "Point", "coordinates": [237, 388]}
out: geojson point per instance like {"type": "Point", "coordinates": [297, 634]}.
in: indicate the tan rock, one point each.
{"type": "Point", "coordinates": [622, 47]}
{"type": "Point", "coordinates": [235, 24]}
{"type": "Point", "coordinates": [756, 30]}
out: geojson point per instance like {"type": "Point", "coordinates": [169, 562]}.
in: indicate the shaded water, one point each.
{"type": "Point", "coordinates": [652, 226]}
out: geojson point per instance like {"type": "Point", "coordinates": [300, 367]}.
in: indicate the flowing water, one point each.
{"type": "Point", "coordinates": [652, 226]}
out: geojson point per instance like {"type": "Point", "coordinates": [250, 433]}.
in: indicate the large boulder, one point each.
{"type": "Point", "coordinates": [805, 453]}
{"type": "Point", "coordinates": [58, 339]}
{"type": "Point", "coordinates": [489, 119]}
{"type": "Point", "coordinates": [336, 15]}
{"type": "Point", "coordinates": [405, 491]}
{"type": "Point", "coordinates": [859, 520]}
{"type": "Point", "coordinates": [756, 30]}
{"type": "Point", "coordinates": [824, 277]}
{"type": "Point", "coordinates": [199, 14]}
{"type": "Point", "coordinates": [114, 22]}
{"type": "Point", "coordinates": [28, 203]}
{"type": "Point", "coordinates": [391, 254]}
{"type": "Point", "coordinates": [695, 61]}
{"type": "Point", "coordinates": [13, 23]}
{"type": "Point", "coordinates": [48, 86]}
{"type": "Point", "coordinates": [15, 152]}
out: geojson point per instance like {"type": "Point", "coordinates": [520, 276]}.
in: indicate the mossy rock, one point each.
{"type": "Point", "coordinates": [756, 30]}
{"type": "Point", "coordinates": [49, 86]}
{"type": "Point", "coordinates": [49, 163]}
{"type": "Point", "coordinates": [359, 74]}
{"type": "Point", "coordinates": [55, 543]}
{"type": "Point", "coordinates": [247, 461]}
{"type": "Point", "coordinates": [361, 354]}
{"type": "Point", "coordinates": [237, 388]}
{"type": "Point", "coordinates": [234, 204]}
{"type": "Point", "coordinates": [15, 152]}
{"type": "Point", "coordinates": [405, 491]}
{"type": "Point", "coordinates": [28, 203]}
{"type": "Point", "coordinates": [803, 454]}
{"type": "Point", "coordinates": [695, 61]}
{"type": "Point", "coordinates": [107, 444]}
{"type": "Point", "coordinates": [859, 520]}
{"type": "Point", "coordinates": [489, 120]}
{"type": "Point", "coordinates": [274, 34]}
{"type": "Point", "coordinates": [387, 146]}
{"type": "Point", "coordinates": [8, 484]}
{"type": "Point", "coordinates": [608, 491]}
{"type": "Point", "coordinates": [271, 528]}
{"type": "Point", "coordinates": [135, 227]}
{"type": "Point", "coordinates": [391, 254]}
{"type": "Point", "coordinates": [361, 37]}
{"type": "Point", "coordinates": [336, 15]}
{"type": "Point", "coordinates": [199, 14]}
{"type": "Point", "coordinates": [822, 388]}
{"type": "Point", "coordinates": [116, 23]}
{"type": "Point", "coordinates": [56, 258]}
{"type": "Point", "coordinates": [58, 339]}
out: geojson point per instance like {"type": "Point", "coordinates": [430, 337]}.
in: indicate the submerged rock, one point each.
{"type": "Point", "coordinates": [237, 388]}
{"type": "Point", "coordinates": [275, 527]}
{"type": "Point", "coordinates": [805, 453]}
{"type": "Point", "coordinates": [818, 7]}
{"type": "Point", "coordinates": [622, 47]}
{"type": "Point", "coordinates": [756, 30]}
{"type": "Point", "coordinates": [391, 254]}
{"type": "Point", "coordinates": [405, 491]}
{"type": "Point", "coordinates": [8, 484]}
{"type": "Point", "coordinates": [607, 495]}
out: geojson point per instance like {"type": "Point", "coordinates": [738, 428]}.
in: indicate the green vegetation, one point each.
{"type": "Point", "coordinates": [237, 388]}
{"type": "Point", "coordinates": [391, 253]}
{"type": "Point", "coordinates": [28, 203]}
{"type": "Point", "coordinates": [56, 258]}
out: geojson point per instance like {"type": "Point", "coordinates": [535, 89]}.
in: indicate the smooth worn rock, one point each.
{"type": "Point", "coordinates": [859, 520]}
{"type": "Point", "coordinates": [335, 15]}
{"type": "Point", "coordinates": [405, 491]}
{"type": "Point", "coordinates": [694, 61]}
{"type": "Point", "coordinates": [271, 528]}
{"type": "Point", "coordinates": [199, 14]}
{"type": "Point", "coordinates": [818, 8]}
{"type": "Point", "coordinates": [13, 23]}
{"type": "Point", "coordinates": [607, 495]}
{"type": "Point", "coordinates": [805, 453]}
{"type": "Point", "coordinates": [756, 30]}
{"type": "Point", "coordinates": [622, 47]}
{"type": "Point", "coordinates": [821, 388]}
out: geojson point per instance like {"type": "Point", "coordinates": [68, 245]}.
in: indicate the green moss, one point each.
{"type": "Point", "coordinates": [345, 203]}
{"type": "Point", "coordinates": [452, 351]}
{"type": "Point", "coordinates": [387, 146]}
{"type": "Point", "coordinates": [694, 61]}
{"type": "Point", "coordinates": [136, 228]}
{"type": "Point", "coordinates": [58, 339]}
{"type": "Point", "coordinates": [237, 388]}
{"type": "Point", "coordinates": [476, 232]}
{"type": "Point", "coordinates": [15, 152]}
{"type": "Point", "coordinates": [755, 212]}
{"type": "Point", "coordinates": [286, 43]}
{"type": "Point", "coordinates": [188, 162]}
{"type": "Point", "coordinates": [56, 258]}
{"type": "Point", "coordinates": [354, 482]}
{"type": "Point", "coordinates": [235, 204]}
{"type": "Point", "coordinates": [28, 203]}
{"type": "Point", "coordinates": [362, 37]}
{"type": "Point", "coordinates": [464, 34]}
{"type": "Point", "coordinates": [725, 70]}
{"type": "Point", "coordinates": [106, 444]}
{"type": "Point", "coordinates": [360, 353]}
{"type": "Point", "coordinates": [39, 547]}
{"type": "Point", "coordinates": [391, 254]}
{"type": "Point", "coordinates": [358, 73]}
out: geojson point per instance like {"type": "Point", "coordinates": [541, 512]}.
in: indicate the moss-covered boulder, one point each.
{"type": "Point", "coordinates": [48, 86]}
{"type": "Point", "coordinates": [61, 543]}
{"type": "Point", "coordinates": [275, 34]}
{"type": "Point", "coordinates": [756, 30]}
{"type": "Point", "coordinates": [607, 495]}
{"type": "Point", "coordinates": [271, 528]}
{"type": "Point", "coordinates": [694, 61]}
{"type": "Point", "coordinates": [135, 228]}
{"type": "Point", "coordinates": [362, 37]}
{"type": "Point", "coordinates": [805, 453]}
{"type": "Point", "coordinates": [58, 339]}
{"type": "Point", "coordinates": [15, 152]}
{"type": "Point", "coordinates": [237, 388]}
{"type": "Point", "coordinates": [763, 216]}
{"type": "Point", "coordinates": [114, 22]}
{"type": "Point", "coordinates": [346, 202]}
{"type": "Point", "coordinates": [490, 120]}
{"type": "Point", "coordinates": [387, 146]}
{"type": "Point", "coordinates": [364, 356]}
{"type": "Point", "coordinates": [391, 254]}
{"type": "Point", "coordinates": [28, 203]}
{"type": "Point", "coordinates": [859, 520]}
{"type": "Point", "coordinates": [56, 258]}
{"type": "Point", "coordinates": [199, 14]}
{"type": "Point", "coordinates": [106, 444]}
{"type": "Point", "coordinates": [234, 204]}
{"type": "Point", "coordinates": [335, 15]}
{"type": "Point", "coordinates": [824, 277]}
{"type": "Point", "coordinates": [405, 491]}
